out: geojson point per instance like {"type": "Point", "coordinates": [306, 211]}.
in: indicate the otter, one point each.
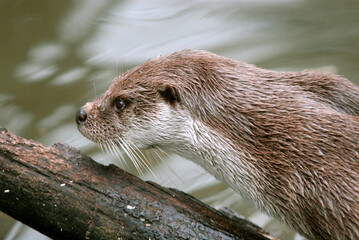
{"type": "Point", "coordinates": [288, 141]}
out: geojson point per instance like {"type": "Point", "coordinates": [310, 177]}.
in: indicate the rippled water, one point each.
{"type": "Point", "coordinates": [56, 55]}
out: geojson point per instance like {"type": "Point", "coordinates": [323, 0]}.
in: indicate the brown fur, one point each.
{"type": "Point", "coordinates": [301, 131]}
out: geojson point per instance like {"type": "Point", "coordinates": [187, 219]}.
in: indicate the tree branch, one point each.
{"type": "Point", "coordinates": [67, 195]}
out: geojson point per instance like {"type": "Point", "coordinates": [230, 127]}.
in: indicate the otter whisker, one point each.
{"type": "Point", "coordinates": [141, 160]}
{"type": "Point", "coordinates": [130, 154]}
{"type": "Point", "coordinates": [108, 147]}
{"type": "Point", "coordinates": [102, 147]}
{"type": "Point", "coordinates": [144, 160]}
{"type": "Point", "coordinates": [117, 145]}
{"type": "Point", "coordinates": [162, 151]}
{"type": "Point", "coordinates": [158, 152]}
{"type": "Point", "coordinates": [117, 152]}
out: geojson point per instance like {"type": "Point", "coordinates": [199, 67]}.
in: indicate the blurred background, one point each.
{"type": "Point", "coordinates": [57, 55]}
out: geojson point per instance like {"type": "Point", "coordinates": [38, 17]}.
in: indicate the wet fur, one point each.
{"type": "Point", "coordinates": [287, 141]}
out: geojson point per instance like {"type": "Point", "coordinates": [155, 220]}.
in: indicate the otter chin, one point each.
{"type": "Point", "coordinates": [287, 141]}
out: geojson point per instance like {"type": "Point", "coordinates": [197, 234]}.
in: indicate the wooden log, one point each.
{"type": "Point", "coordinates": [66, 195]}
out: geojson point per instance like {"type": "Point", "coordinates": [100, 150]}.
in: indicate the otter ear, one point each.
{"type": "Point", "coordinates": [169, 93]}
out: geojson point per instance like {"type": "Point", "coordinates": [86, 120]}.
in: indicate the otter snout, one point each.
{"type": "Point", "coordinates": [81, 116]}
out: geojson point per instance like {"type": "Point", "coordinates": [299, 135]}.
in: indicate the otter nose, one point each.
{"type": "Point", "coordinates": [81, 116]}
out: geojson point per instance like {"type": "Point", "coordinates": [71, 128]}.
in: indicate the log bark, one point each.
{"type": "Point", "coordinates": [67, 195]}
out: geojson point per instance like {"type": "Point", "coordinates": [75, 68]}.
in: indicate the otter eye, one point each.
{"type": "Point", "coordinates": [118, 104]}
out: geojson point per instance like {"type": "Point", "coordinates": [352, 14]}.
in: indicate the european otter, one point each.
{"type": "Point", "coordinates": [287, 141]}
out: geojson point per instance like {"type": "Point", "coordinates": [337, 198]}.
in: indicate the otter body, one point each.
{"type": "Point", "coordinates": [287, 141]}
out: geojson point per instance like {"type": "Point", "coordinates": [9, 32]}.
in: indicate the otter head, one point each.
{"type": "Point", "coordinates": [141, 108]}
